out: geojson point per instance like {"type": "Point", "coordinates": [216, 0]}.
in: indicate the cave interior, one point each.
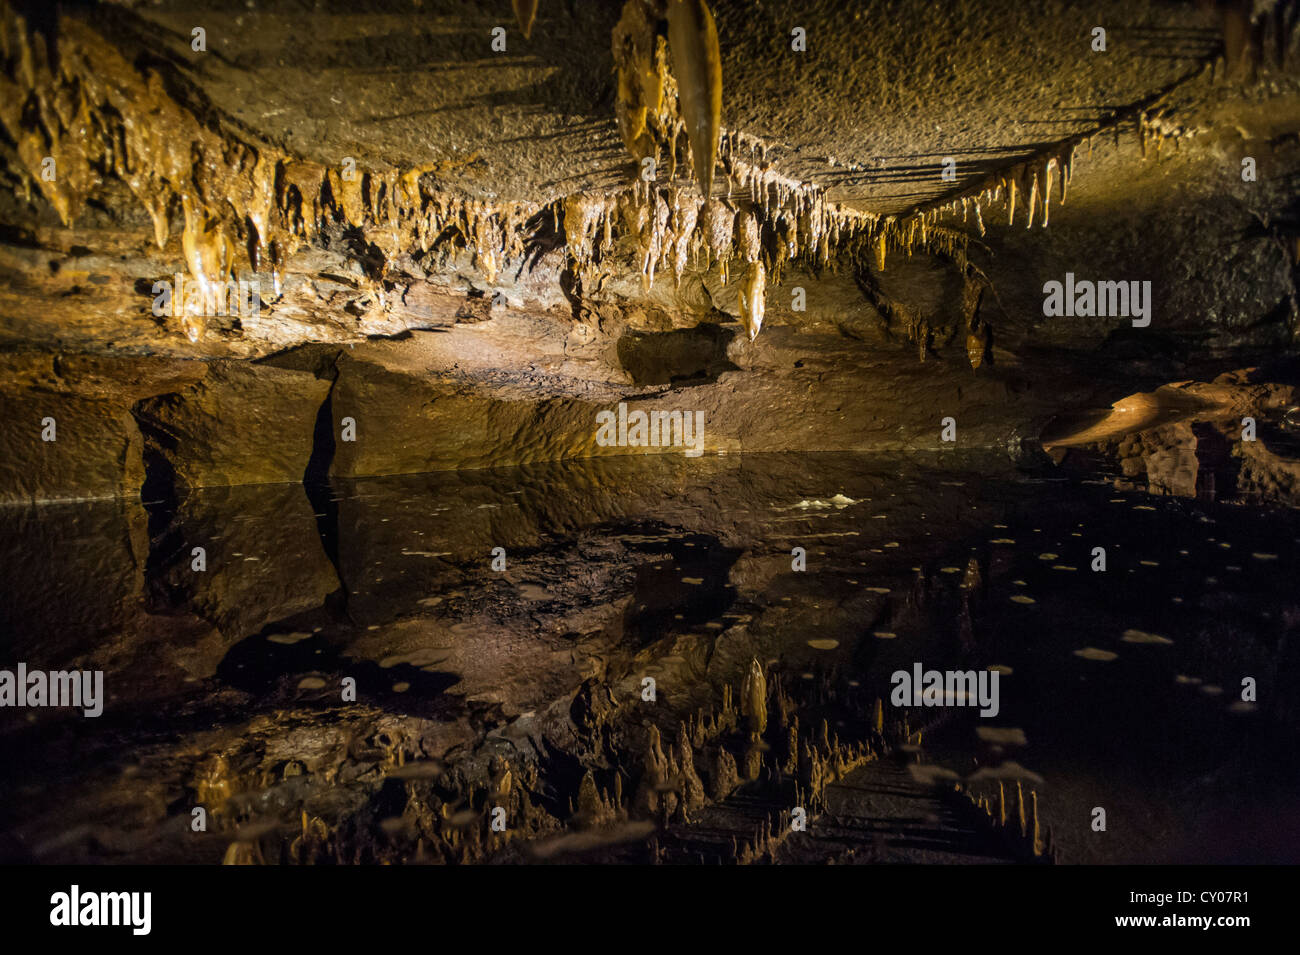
{"type": "Point", "coordinates": [463, 431]}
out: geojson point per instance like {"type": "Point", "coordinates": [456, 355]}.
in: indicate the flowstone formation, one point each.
{"type": "Point", "coordinates": [538, 432]}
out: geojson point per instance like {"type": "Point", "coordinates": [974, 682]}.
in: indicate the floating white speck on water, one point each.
{"type": "Point", "coordinates": [1002, 735]}
{"type": "Point", "coordinates": [1141, 636]}
{"type": "Point", "coordinates": [288, 638]}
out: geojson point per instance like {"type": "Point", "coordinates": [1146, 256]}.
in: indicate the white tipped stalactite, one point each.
{"type": "Point", "coordinates": [747, 236]}
{"type": "Point", "coordinates": [1031, 199]}
{"type": "Point", "coordinates": [752, 298]}
{"type": "Point", "coordinates": [1047, 187]}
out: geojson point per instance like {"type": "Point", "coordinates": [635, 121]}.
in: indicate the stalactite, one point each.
{"type": "Point", "coordinates": [1047, 167]}
{"type": "Point", "coordinates": [525, 15]}
{"type": "Point", "coordinates": [1031, 198]}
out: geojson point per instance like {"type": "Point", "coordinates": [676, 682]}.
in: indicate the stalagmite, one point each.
{"type": "Point", "coordinates": [1035, 842]}
{"type": "Point", "coordinates": [753, 694]}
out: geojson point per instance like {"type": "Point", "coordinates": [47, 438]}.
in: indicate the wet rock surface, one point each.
{"type": "Point", "coordinates": [239, 424]}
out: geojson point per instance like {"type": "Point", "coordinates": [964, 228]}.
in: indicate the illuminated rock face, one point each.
{"type": "Point", "coordinates": [797, 306]}
{"type": "Point", "coordinates": [239, 424]}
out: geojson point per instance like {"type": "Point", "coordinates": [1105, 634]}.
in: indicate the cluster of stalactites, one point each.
{"type": "Point", "coordinates": [97, 117]}
{"type": "Point", "coordinates": [766, 221]}
{"type": "Point", "coordinates": [1028, 187]}
{"type": "Point", "coordinates": [1156, 128]}
{"type": "Point", "coordinates": [662, 114]}
{"type": "Point", "coordinates": [669, 91]}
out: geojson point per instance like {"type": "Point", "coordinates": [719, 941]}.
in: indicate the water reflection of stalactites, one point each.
{"type": "Point", "coordinates": [457, 662]}
{"type": "Point", "coordinates": [263, 554]}
{"type": "Point", "coordinates": [407, 538]}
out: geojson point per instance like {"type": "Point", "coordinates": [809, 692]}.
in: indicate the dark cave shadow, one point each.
{"type": "Point", "coordinates": [265, 669]}
{"type": "Point", "coordinates": [683, 356]}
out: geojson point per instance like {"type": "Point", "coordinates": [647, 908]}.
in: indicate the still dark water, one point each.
{"type": "Point", "coordinates": [1120, 689]}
